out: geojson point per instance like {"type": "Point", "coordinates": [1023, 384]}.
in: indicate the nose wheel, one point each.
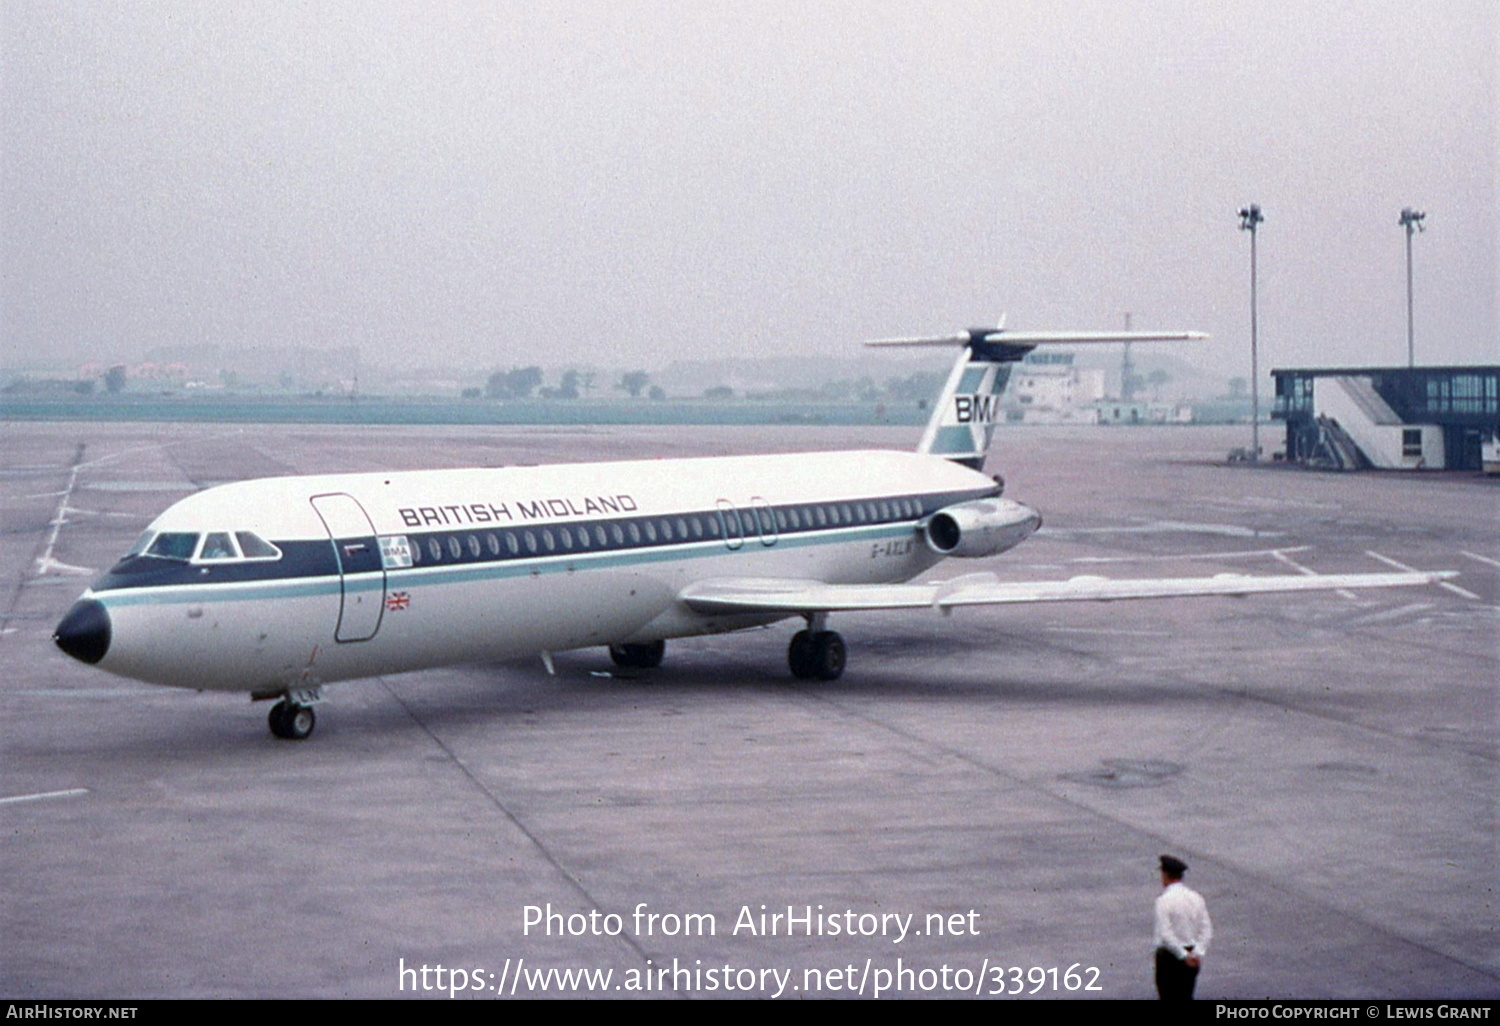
{"type": "Point", "coordinates": [292, 722]}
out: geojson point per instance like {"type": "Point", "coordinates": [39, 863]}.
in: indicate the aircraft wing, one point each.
{"type": "Point", "coordinates": [776, 595]}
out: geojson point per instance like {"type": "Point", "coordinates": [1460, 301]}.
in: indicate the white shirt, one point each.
{"type": "Point", "coordinates": [1182, 921]}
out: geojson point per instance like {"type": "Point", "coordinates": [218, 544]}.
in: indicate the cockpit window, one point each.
{"type": "Point", "coordinates": [256, 547]}
{"type": "Point", "coordinates": [174, 545]}
{"type": "Point", "coordinates": [219, 545]}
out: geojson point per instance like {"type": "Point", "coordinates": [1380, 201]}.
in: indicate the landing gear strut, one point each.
{"type": "Point", "coordinates": [816, 655]}
{"type": "Point", "coordinates": [292, 722]}
{"type": "Point", "coordinates": [643, 656]}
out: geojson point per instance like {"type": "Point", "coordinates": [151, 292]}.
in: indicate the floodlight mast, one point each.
{"type": "Point", "coordinates": [1250, 217]}
{"type": "Point", "coordinates": [1411, 220]}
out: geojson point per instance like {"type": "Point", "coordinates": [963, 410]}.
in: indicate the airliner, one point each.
{"type": "Point", "coordinates": [279, 586]}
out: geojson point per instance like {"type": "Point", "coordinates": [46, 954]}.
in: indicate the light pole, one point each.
{"type": "Point", "coordinates": [1250, 217]}
{"type": "Point", "coordinates": [1411, 220]}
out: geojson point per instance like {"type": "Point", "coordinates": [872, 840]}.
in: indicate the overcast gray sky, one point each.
{"type": "Point", "coordinates": [627, 183]}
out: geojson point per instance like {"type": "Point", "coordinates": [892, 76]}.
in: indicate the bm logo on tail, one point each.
{"type": "Point", "coordinates": [976, 409]}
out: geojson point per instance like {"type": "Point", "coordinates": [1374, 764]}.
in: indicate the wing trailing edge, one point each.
{"type": "Point", "coordinates": [793, 596]}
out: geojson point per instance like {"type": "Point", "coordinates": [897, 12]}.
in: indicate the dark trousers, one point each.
{"type": "Point", "coordinates": [1174, 977]}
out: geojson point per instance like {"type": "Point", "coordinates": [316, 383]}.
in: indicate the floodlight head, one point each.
{"type": "Point", "coordinates": [1250, 217]}
{"type": "Point", "coordinates": [1412, 219]}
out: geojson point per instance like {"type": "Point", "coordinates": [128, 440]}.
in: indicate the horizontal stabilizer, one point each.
{"type": "Point", "coordinates": [772, 595]}
{"type": "Point", "coordinates": [1029, 339]}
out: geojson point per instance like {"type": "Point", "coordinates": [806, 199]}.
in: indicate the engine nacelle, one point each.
{"type": "Point", "coordinates": [980, 528]}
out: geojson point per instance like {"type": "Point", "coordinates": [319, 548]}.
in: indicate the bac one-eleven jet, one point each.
{"type": "Point", "coordinates": [281, 585]}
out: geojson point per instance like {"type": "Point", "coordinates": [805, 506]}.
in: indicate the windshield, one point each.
{"type": "Point", "coordinates": [173, 545]}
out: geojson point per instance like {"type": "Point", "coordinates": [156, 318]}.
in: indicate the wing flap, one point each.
{"type": "Point", "coordinates": [790, 595]}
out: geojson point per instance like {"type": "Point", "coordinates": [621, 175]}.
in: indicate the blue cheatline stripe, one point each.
{"type": "Point", "coordinates": [316, 560]}
{"type": "Point", "coordinates": [468, 573]}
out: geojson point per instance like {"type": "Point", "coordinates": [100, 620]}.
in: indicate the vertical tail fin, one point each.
{"type": "Point", "coordinates": [966, 413]}
{"type": "Point", "coordinates": [969, 408]}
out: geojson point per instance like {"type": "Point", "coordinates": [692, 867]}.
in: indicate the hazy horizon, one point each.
{"type": "Point", "coordinates": [627, 184]}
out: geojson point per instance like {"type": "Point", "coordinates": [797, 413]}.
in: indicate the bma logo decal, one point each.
{"type": "Point", "coordinates": [977, 409]}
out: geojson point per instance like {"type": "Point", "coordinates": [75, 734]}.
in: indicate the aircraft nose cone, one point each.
{"type": "Point", "coordinates": [84, 633]}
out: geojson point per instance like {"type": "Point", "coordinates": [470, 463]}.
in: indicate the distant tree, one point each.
{"type": "Point", "coordinates": [1239, 388]}
{"type": "Point", "coordinates": [516, 383]}
{"type": "Point", "coordinates": [657, 392]}
{"type": "Point", "coordinates": [718, 392]}
{"type": "Point", "coordinates": [568, 388]}
{"type": "Point", "coordinates": [917, 386]}
{"type": "Point", "coordinates": [473, 393]}
{"type": "Point", "coordinates": [634, 382]}
{"type": "Point", "coordinates": [1158, 378]}
{"type": "Point", "coordinates": [84, 388]}
{"type": "Point", "coordinates": [114, 379]}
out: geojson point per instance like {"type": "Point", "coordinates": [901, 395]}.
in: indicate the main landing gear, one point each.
{"type": "Point", "coordinates": [816, 653]}
{"type": "Point", "coordinates": [642, 656]}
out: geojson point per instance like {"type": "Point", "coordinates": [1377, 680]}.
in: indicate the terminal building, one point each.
{"type": "Point", "coordinates": [1391, 418]}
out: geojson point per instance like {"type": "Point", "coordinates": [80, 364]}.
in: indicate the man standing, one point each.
{"type": "Point", "coordinates": [1182, 933]}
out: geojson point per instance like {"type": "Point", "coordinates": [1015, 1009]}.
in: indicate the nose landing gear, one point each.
{"type": "Point", "coordinates": [292, 722]}
{"type": "Point", "coordinates": [292, 718]}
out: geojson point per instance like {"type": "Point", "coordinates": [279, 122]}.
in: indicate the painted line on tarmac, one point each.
{"type": "Point", "coordinates": [71, 793]}
{"type": "Point", "coordinates": [1480, 559]}
{"type": "Point", "coordinates": [1281, 556]}
{"type": "Point", "coordinates": [1388, 561]}
{"type": "Point", "coordinates": [1203, 556]}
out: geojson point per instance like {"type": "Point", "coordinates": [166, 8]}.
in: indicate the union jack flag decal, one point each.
{"type": "Point", "coordinates": [398, 600]}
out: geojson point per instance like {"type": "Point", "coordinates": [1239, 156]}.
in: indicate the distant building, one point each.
{"type": "Point", "coordinates": [1122, 411]}
{"type": "Point", "coordinates": [300, 368]}
{"type": "Point", "coordinates": [1389, 417]}
{"type": "Point", "coordinates": [1046, 388]}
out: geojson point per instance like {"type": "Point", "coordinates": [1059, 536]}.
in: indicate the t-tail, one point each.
{"type": "Point", "coordinates": [966, 414]}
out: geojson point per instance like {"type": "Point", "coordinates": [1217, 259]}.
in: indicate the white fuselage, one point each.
{"type": "Point", "coordinates": [382, 573]}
